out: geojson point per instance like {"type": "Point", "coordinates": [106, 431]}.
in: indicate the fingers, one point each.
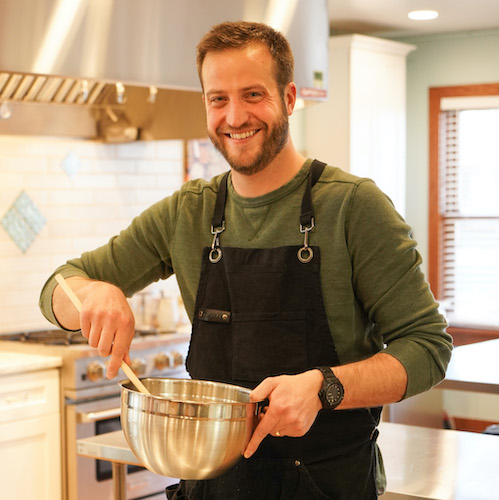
{"type": "Point", "coordinates": [263, 429]}
{"type": "Point", "coordinates": [107, 321]}
{"type": "Point", "coordinates": [263, 390]}
{"type": "Point", "coordinates": [293, 407]}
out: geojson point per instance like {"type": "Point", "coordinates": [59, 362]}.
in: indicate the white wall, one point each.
{"type": "Point", "coordinates": [114, 183]}
{"type": "Point", "coordinates": [438, 61]}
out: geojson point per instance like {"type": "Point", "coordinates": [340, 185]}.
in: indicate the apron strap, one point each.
{"type": "Point", "coordinates": [307, 213]}
{"type": "Point", "coordinates": [218, 215]}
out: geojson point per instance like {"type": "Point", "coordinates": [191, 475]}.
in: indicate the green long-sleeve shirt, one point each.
{"type": "Point", "coordinates": [375, 295]}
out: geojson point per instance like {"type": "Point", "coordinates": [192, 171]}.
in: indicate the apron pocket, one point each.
{"type": "Point", "coordinates": [268, 344]}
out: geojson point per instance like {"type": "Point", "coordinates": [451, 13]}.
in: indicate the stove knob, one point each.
{"type": "Point", "coordinates": [95, 371]}
{"type": "Point", "coordinates": [138, 366]}
{"type": "Point", "coordinates": [162, 361]}
{"type": "Point", "coordinates": [178, 359]}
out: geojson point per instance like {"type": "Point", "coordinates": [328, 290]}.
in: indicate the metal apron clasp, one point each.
{"type": "Point", "coordinates": [216, 252]}
{"type": "Point", "coordinates": [305, 253]}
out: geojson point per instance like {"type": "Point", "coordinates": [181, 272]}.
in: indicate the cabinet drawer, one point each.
{"type": "Point", "coordinates": [29, 395]}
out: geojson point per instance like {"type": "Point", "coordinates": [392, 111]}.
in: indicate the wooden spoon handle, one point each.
{"type": "Point", "coordinates": [77, 303]}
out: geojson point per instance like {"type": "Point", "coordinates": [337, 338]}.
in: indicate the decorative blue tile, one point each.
{"type": "Point", "coordinates": [23, 221]}
{"type": "Point", "coordinates": [71, 164]}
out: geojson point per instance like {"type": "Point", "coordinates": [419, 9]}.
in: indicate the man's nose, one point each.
{"type": "Point", "coordinates": [237, 114]}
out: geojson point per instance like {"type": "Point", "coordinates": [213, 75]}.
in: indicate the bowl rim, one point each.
{"type": "Point", "coordinates": [123, 383]}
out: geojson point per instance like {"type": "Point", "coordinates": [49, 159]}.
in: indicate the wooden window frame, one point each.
{"type": "Point", "coordinates": [461, 335]}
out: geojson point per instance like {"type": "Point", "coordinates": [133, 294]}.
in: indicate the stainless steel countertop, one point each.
{"type": "Point", "coordinates": [420, 463]}
{"type": "Point", "coordinates": [475, 368]}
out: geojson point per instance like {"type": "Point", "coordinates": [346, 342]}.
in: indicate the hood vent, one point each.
{"type": "Point", "coordinates": [50, 89]}
{"type": "Point", "coordinates": [108, 64]}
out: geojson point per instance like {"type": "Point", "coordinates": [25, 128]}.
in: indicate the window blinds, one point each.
{"type": "Point", "coordinates": [469, 209]}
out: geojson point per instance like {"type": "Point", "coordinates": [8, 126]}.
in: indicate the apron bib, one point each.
{"type": "Point", "coordinates": [260, 313]}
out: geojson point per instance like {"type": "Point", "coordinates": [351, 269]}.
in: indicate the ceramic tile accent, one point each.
{"type": "Point", "coordinates": [71, 164]}
{"type": "Point", "coordinates": [23, 221]}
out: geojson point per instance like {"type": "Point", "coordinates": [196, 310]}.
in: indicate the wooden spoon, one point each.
{"type": "Point", "coordinates": [77, 303]}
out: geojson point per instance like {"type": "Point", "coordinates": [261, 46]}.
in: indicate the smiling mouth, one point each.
{"type": "Point", "coordinates": [242, 135]}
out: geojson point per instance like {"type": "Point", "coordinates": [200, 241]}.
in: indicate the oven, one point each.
{"type": "Point", "coordinates": [92, 479]}
{"type": "Point", "coordinates": [90, 405]}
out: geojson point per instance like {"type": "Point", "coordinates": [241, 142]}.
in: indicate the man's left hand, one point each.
{"type": "Point", "coordinates": [293, 406]}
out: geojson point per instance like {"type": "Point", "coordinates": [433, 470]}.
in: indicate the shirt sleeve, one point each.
{"type": "Point", "coordinates": [131, 260]}
{"type": "Point", "coordinates": [389, 282]}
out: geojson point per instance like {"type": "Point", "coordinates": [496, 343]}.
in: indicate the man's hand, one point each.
{"type": "Point", "coordinates": [293, 406]}
{"type": "Point", "coordinates": [106, 319]}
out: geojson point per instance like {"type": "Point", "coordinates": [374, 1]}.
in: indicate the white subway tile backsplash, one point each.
{"type": "Point", "coordinates": [111, 165]}
{"type": "Point", "coordinates": [58, 197]}
{"type": "Point", "coordinates": [139, 150]}
{"type": "Point", "coordinates": [94, 181]}
{"type": "Point", "coordinates": [173, 150]}
{"type": "Point", "coordinates": [10, 180]}
{"type": "Point", "coordinates": [143, 181]}
{"type": "Point", "coordinates": [151, 196]}
{"type": "Point", "coordinates": [113, 184]}
{"type": "Point", "coordinates": [83, 244]}
{"type": "Point", "coordinates": [43, 181]}
{"type": "Point", "coordinates": [21, 164]}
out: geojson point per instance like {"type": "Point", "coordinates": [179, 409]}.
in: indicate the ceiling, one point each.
{"type": "Point", "coordinates": [388, 18]}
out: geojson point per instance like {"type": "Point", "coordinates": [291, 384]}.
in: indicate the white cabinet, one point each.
{"type": "Point", "coordinates": [30, 443]}
{"type": "Point", "coordinates": [361, 128]}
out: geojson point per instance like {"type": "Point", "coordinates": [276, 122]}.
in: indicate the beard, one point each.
{"type": "Point", "coordinates": [273, 142]}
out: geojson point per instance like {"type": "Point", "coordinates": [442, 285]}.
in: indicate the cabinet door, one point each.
{"type": "Point", "coordinates": [30, 459]}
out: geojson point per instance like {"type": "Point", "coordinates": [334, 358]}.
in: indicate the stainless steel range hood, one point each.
{"type": "Point", "coordinates": [120, 70]}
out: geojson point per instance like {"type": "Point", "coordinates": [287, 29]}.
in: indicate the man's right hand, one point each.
{"type": "Point", "coordinates": [106, 319]}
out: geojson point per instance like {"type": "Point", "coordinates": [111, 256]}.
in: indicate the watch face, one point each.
{"type": "Point", "coordinates": [333, 394]}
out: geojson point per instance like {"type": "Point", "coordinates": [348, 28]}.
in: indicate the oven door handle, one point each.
{"type": "Point", "coordinates": [84, 417]}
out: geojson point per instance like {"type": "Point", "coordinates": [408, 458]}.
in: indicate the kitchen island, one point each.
{"type": "Point", "coordinates": [420, 463]}
{"type": "Point", "coordinates": [474, 368]}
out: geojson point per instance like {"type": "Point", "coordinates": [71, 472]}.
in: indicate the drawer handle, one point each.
{"type": "Point", "coordinates": [19, 398]}
{"type": "Point", "coordinates": [95, 416]}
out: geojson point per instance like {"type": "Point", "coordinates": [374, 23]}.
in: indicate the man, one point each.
{"type": "Point", "coordinates": [287, 267]}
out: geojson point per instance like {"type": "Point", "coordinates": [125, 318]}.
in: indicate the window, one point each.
{"type": "Point", "coordinates": [464, 208]}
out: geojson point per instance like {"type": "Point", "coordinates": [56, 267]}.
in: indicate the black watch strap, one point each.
{"type": "Point", "coordinates": [332, 392]}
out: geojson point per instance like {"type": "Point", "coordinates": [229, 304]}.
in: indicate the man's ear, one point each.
{"type": "Point", "coordinates": [290, 97]}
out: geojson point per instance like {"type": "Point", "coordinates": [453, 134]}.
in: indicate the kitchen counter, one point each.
{"type": "Point", "coordinates": [420, 463]}
{"type": "Point", "coordinates": [474, 367]}
{"type": "Point", "coordinates": [16, 362]}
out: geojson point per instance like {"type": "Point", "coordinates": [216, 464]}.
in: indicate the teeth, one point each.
{"type": "Point", "coordinates": [243, 135]}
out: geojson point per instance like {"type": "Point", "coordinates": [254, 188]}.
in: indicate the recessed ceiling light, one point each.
{"type": "Point", "coordinates": [423, 15]}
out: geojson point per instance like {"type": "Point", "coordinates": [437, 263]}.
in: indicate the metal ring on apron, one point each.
{"type": "Point", "coordinates": [215, 255]}
{"type": "Point", "coordinates": [216, 252]}
{"type": "Point", "coordinates": [308, 258]}
{"type": "Point", "coordinates": [305, 247]}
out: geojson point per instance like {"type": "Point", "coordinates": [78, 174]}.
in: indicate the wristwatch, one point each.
{"type": "Point", "coordinates": [331, 393]}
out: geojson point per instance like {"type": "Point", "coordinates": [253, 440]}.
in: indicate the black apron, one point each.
{"type": "Point", "coordinates": [260, 313]}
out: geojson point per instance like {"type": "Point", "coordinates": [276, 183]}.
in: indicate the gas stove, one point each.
{"type": "Point", "coordinates": [46, 337]}
{"type": "Point", "coordinates": [83, 373]}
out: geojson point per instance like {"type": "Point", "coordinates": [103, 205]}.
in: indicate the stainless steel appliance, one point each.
{"type": "Point", "coordinates": [90, 404]}
{"type": "Point", "coordinates": [122, 70]}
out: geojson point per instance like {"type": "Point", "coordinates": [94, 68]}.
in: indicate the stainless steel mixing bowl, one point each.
{"type": "Point", "coordinates": [188, 429]}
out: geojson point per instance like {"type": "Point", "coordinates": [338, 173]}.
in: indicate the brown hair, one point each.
{"type": "Point", "coordinates": [233, 35]}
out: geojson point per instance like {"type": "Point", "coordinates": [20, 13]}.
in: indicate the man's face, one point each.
{"type": "Point", "coordinates": [247, 118]}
